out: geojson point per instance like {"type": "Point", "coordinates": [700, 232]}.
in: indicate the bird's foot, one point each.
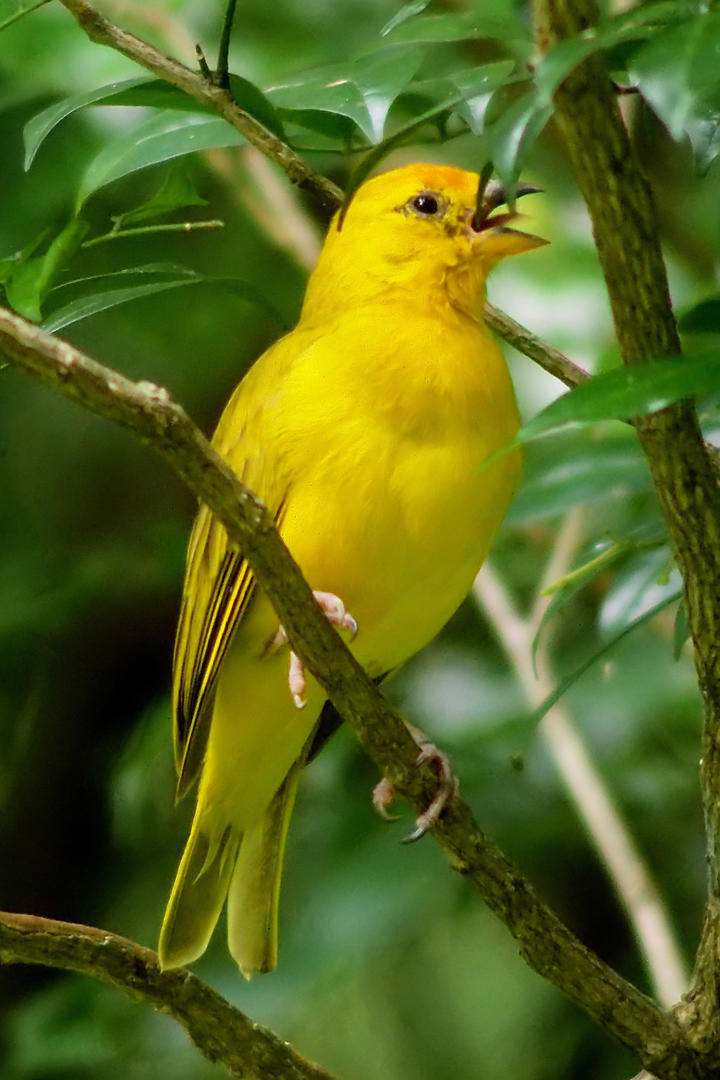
{"type": "Point", "coordinates": [383, 796]}
{"type": "Point", "coordinates": [384, 793]}
{"type": "Point", "coordinates": [336, 614]}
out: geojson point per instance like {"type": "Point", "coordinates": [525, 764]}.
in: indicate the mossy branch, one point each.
{"type": "Point", "coordinates": [544, 941]}
{"type": "Point", "coordinates": [220, 1031]}
{"type": "Point", "coordinates": [627, 235]}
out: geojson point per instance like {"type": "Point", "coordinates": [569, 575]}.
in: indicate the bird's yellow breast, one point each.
{"type": "Point", "coordinates": [386, 435]}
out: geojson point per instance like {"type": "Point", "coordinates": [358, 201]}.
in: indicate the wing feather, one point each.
{"type": "Point", "coordinates": [219, 584]}
{"type": "Point", "coordinates": [206, 626]}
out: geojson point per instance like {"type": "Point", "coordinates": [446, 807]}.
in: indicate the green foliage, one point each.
{"type": "Point", "coordinates": [627, 392]}
{"type": "Point", "coordinates": [676, 71]}
{"type": "Point", "coordinates": [374, 937]}
{"type": "Point", "coordinates": [30, 279]}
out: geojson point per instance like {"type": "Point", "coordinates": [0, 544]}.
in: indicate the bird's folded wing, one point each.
{"type": "Point", "coordinates": [219, 584]}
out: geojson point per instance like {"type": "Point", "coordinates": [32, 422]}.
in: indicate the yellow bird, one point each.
{"type": "Point", "coordinates": [365, 431]}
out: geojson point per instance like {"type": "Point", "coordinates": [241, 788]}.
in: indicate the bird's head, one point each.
{"type": "Point", "coordinates": [419, 228]}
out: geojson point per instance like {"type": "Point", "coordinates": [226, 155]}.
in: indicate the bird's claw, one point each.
{"type": "Point", "coordinates": [297, 681]}
{"type": "Point", "coordinates": [383, 796]}
{"type": "Point", "coordinates": [335, 614]}
{"type": "Point", "coordinates": [447, 789]}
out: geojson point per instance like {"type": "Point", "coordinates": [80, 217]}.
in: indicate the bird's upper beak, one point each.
{"type": "Point", "coordinates": [493, 233]}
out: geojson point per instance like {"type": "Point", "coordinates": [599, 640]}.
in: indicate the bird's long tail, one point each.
{"type": "Point", "coordinates": [254, 893]}
{"type": "Point", "coordinates": [198, 894]}
{"type": "Point", "coordinates": [245, 867]}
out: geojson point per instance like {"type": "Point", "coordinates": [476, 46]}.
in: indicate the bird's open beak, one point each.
{"type": "Point", "coordinates": [498, 237]}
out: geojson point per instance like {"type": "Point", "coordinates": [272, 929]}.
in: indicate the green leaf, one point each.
{"type": "Point", "coordinates": [629, 391]}
{"type": "Point", "coordinates": [407, 11]}
{"type": "Point", "coordinates": [509, 139]}
{"type": "Point", "coordinates": [604, 555]}
{"type": "Point", "coordinates": [176, 192]}
{"type": "Point", "coordinates": [254, 101]}
{"type": "Point", "coordinates": [165, 269]}
{"type": "Point", "coordinates": [516, 129]}
{"type": "Point", "coordinates": [371, 159]}
{"type": "Point", "coordinates": [572, 583]}
{"type": "Point", "coordinates": [578, 475]}
{"type": "Point", "coordinates": [28, 285]}
{"type": "Point", "coordinates": [331, 92]}
{"type": "Point", "coordinates": [331, 131]}
{"type": "Point", "coordinates": [475, 86]}
{"type": "Point", "coordinates": [86, 306]}
{"type": "Point", "coordinates": [20, 13]}
{"type": "Point", "coordinates": [141, 91]}
{"type": "Point", "coordinates": [147, 93]}
{"type": "Point", "coordinates": [461, 26]}
{"type": "Point", "coordinates": [162, 137]}
{"type": "Point", "coordinates": [591, 660]}
{"type": "Point", "coordinates": [703, 318]}
{"type": "Point", "coordinates": [381, 80]}
{"type": "Point", "coordinates": [677, 74]}
{"type": "Point", "coordinates": [10, 264]}
{"type": "Point", "coordinates": [362, 91]}
{"type": "Point", "coordinates": [486, 76]}
{"type": "Point", "coordinates": [641, 583]}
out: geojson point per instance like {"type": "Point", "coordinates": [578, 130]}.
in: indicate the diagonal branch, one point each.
{"type": "Point", "coordinates": [588, 792]}
{"type": "Point", "coordinates": [545, 942]}
{"type": "Point", "coordinates": [522, 339]}
{"type": "Point", "coordinates": [220, 1031]}
{"type": "Point", "coordinates": [103, 31]}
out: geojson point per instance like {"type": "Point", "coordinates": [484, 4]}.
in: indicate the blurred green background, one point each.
{"type": "Point", "coordinates": [389, 966]}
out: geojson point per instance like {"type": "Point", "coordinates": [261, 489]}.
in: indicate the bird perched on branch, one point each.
{"type": "Point", "coordinates": [365, 431]}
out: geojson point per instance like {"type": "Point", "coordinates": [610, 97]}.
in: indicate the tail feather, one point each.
{"type": "Point", "coordinates": [197, 896]}
{"type": "Point", "coordinates": [254, 893]}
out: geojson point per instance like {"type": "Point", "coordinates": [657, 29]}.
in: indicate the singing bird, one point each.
{"type": "Point", "coordinates": [365, 431]}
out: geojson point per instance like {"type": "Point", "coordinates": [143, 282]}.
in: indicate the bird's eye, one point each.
{"type": "Point", "coordinates": [425, 204]}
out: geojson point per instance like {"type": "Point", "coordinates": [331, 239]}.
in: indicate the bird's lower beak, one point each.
{"type": "Point", "coordinates": [493, 233]}
{"type": "Point", "coordinates": [500, 240]}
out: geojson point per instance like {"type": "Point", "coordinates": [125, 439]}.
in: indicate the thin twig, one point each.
{"type": "Point", "coordinates": [220, 1031]}
{"type": "Point", "coordinates": [608, 832]}
{"type": "Point", "coordinates": [221, 75]}
{"type": "Point", "coordinates": [20, 13]}
{"type": "Point", "coordinates": [144, 230]}
{"type": "Point", "coordinates": [544, 941]}
{"type": "Point", "coordinates": [100, 29]}
{"type": "Point", "coordinates": [522, 339]}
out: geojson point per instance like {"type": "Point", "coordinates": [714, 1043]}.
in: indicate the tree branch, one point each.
{"type": "Point", "coordinates": [101, 30]}
{"type": "Point", "coordinates": [627, 237]}
{"type": "Point", "coordinates": [522, 339]}
{"type": "Point", "coordinates": [545, 942]}
{"type": "Point", "coordinates": [220, 1031]}
{"type": "Point", "coordinates": [608, 832]}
